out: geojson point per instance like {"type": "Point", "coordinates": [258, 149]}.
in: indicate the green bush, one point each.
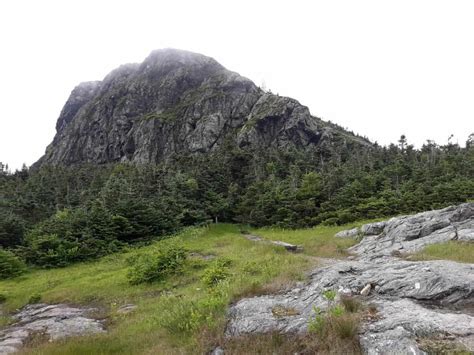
{"type": "Point", "coordinates": [10, 265]}
{"type": "Point", "coordinates": [70, 236]}
{"type": "Point", "coordinates": [216, 272]}
{"type": "Point", "coordinates": [34, 298]}
{"type": "Point", "coordinates": [51, 251]}
{"type": "Point", "coordinates": [317, 322]}
{"type": "Point", "coordinates": [184, 316]}
{"type": "Point", "coordinates": [11, 230]}
{"type": "Point", "coordinates": [149, 267]}
{"type": "Point", "coordinates": [3, 298]}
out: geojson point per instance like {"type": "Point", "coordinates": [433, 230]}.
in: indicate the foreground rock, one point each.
{"type": "Point", "coordinates": [51, 322]}
{"type": "Point", "coordinates": [414, 300]}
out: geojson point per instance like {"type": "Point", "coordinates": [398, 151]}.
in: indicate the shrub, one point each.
{"type": "Point", "coordinates": [350, 304]}
{"type": "Point", "coordinates": [3, 298]}
{"type": "Point", "coordinates": [252, 268]}
{"type": "Point", "coordinates": [149, 267]}
{"type": "Point", "coordinates": [218, 271]}
{"type": "Point", "coordinates": [34, 298]}
{"type": "Point", "coordinates": [10, 265]}
{"type": "Point", "coordinates": [11, 230]}
{"type": "Point", "coordinates": [70, 236]}
{"type": "Point", "coordinates": [185, 316]}
{"type": "Point", "coordinates": [332, 221]}
{"type": "Point", "coordinates": [345, 326]}
{"type": "Point", "coordinates": [337, 311]}
{"type": "Point", "coordinates": [335, 324]}
{"type": "Point", "coordinates": [51, 251]}
{"type": "Point", "coordinates": [317, 323]}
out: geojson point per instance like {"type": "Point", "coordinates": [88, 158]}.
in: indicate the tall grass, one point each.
{"type": "Point", "coordinates": [179, 313]}
{"type": "Point", "coordinates": [457, 251]}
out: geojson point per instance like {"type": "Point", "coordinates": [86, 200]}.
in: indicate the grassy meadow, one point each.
{"type": "Point", "coordinates": [181, 314]}
{"type": "Point", "coordinates": [185, 312]}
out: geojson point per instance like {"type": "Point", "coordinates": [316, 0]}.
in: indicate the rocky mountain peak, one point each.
{"type": "Point", "coordinates": [177, 101]}
{"type": "Point", "coordinates": [173, 58]}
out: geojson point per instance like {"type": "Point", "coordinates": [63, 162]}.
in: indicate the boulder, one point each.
{"type": "Point", "coordinates": [366, 290]}
{"type": "Point", "coordinates": [350, 233]}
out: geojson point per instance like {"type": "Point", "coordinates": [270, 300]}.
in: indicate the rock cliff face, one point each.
{"type": "Point", "coordinates": [178, 102]}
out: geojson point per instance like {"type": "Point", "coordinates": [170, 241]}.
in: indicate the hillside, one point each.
{"type": "Point", "coordinates": [178, 102]}
{"type": "Point", "coordinates": [167, 216]}
{"type": "Point", "coordinates": [241, 295]}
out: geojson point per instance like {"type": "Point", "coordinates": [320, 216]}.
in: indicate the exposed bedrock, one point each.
{"type": "Point", "coordinates": [414, 300]}
{"type": "Point", "coordinates": [51, 322]}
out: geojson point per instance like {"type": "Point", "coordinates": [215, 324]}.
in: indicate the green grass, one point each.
{"type": "Point", "coordinates": [318, 241]}
{"type": "Point", "coordinates": [183, 313]}
{"type": "Point", "coordinates": [159, 321]}
{"type": "Point", "coordinates": [456, 251]}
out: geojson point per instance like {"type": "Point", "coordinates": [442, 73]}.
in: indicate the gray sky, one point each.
{"type": "Point", "coordinates": [380, 68]}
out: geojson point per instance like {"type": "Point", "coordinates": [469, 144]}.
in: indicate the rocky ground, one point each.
{"type": "Point", "coordinates": [47, 322]}
{"type": "Point", "coordinates": [415, 301]}
{"type": "Point", "coordinates": [419, 305]}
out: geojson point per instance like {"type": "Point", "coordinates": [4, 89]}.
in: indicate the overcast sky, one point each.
{"type": "Point", "coordinates": [380, 68]}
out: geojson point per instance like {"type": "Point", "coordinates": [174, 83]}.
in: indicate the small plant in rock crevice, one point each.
{"type": "Point", "coordinates": [330, 295]}
{"type": "Point", "coordinates": [339, 321]}
{"type": "Point", "coordinates": [350, 304]}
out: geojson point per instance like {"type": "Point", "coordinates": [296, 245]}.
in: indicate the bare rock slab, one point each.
{"type": "Point", "coordinates": [414, 300]}
{"type": "Point", "coordinates": [410, 234]}
{"type": "Point", "coordinates": [52, 321]}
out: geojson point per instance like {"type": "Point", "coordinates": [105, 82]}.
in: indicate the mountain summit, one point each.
{"type": "Point", "coordinates": [178, 102]}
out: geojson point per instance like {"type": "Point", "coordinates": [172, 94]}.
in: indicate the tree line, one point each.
{"type": "Point", "coordinates": [57, 215]}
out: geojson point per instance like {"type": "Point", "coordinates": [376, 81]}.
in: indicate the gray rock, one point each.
{"type": "Point", "coordinates": [373, 228]}
{"type": "Point", "coordinates": [287, 246]}
{"type": "Point", "coordinates": [179, 102]}
{"type": "Point", "coordinates": [350, 233]}
{"type": "Point", "coordinates": [54, 321]}
{"type": "Point", "coordinates": [409, 234]}
{"type": "Point", "coordinates": [403, 319]}
{"type": "Point", "coordinates": [414, 299]}
{"type": "Point", "coordinates": [366, 290]}
{"type": "Point", "coordinates": [127, 308]}
{"type": "Point", "coordinates": [218, 351]}
{"type": "Point", "coordinates": [466, 235]}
